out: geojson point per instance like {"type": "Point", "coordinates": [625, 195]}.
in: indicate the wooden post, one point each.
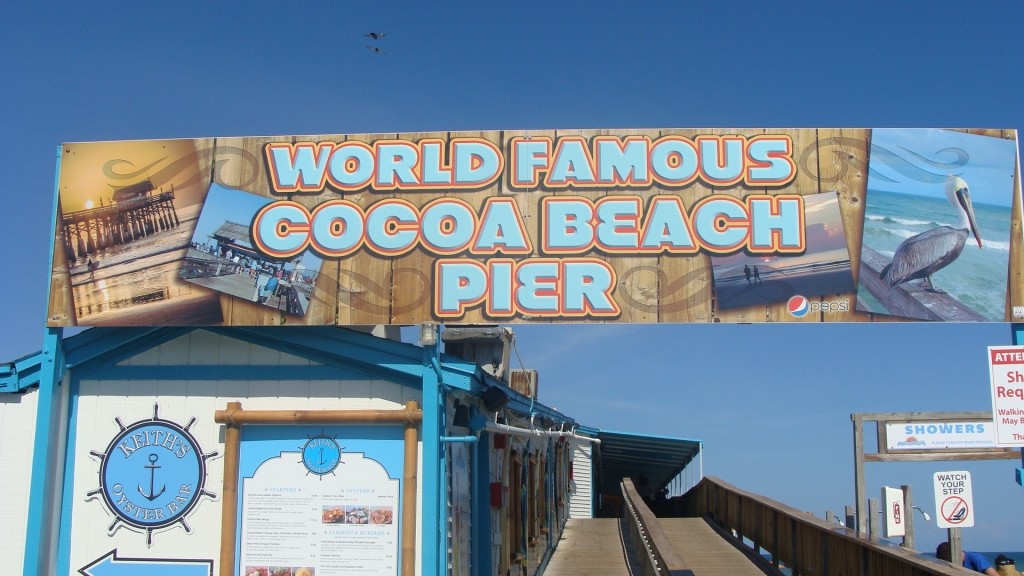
{"type": "Point", "coordinates": [409, 495]}
{"type": "Point", "coordinates": [858, 478]}
{"type": "Point", "coordinates": [955, 547]}
{"type": "Point", "coordinates": [908, 517]}
{"type": "Point", "coordinates": [873, 523]}
{"type": "Point", "coordinates": [229, 502]}
{"type": "Point", "coordinates": [830, 516]}
{"type": "Point", "coordinates": [851, 517]}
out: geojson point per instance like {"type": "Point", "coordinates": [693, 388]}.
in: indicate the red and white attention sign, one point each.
{"type": "Point", "coordinates": [1006, 365]}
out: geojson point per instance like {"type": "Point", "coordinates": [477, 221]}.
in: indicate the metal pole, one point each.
{"type": "Point", "coordinates": [433, 538]}
{"type": "Point", "coordinates": [955, 547]}
{"type": "Point", "coordinates": [700, 463]}
{"type": "Point", "coordinates": [873, 523]}
{"type": "Point", "coordinates": [858, 473]}
{"type": "Point", "coordinates": [908, 517]}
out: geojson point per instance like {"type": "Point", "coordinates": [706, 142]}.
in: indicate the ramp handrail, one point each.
{"type": "Point", "coordinates": [659, 557]}
{"type": "Point", "coordinates": [809, 546]}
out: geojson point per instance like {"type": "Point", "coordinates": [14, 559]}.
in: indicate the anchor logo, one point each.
{"type": "Point", "coordinates": [152, 475]}
{"type": "Point", "coordinates": [321, 454]}
{"type": "Point", "coordinates": [151, 445]}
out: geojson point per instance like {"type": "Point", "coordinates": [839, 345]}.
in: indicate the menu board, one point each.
{"type": "Point", "coordinates": [318, 510]}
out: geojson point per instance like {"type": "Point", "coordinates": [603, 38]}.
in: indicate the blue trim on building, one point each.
{"type": "Point", "coordinates": [482, 506]}
{"type": "Point", "coordinates": [431, 509]}
{"type": "Point", "coordinates": [51, 371]}
{"type": "Point", "coordinates": [43, 473]}
{"type": "Point", "coordinates": [68, 500]}
{"type": "Point", "coordinates": [224, 372]}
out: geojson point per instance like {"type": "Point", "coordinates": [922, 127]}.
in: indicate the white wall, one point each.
{"type": "Point", "coordinates": [581, 501]}
{"type": "Point", "coordinates": [101, 401]}
{"type": "Point", "coordinates": [17, 432]}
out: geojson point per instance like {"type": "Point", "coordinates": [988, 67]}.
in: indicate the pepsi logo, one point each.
{"type": "Point", "coordinates": [799, 306]}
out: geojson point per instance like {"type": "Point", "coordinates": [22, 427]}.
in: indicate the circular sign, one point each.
{"type": "Point", "coordinates": [321, 455]}
{"type": "Point", "coordinates": [954, 509]}
{"type": "Point", "coordinates": [152, 474]}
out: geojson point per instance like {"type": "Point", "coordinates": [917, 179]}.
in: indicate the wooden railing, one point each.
{"type": "Point", "coordinates": [654, 552]}
{"type": "Point", "coordinates": [808, 546]}
{"type": "Point", "coordinates": [910, 299]}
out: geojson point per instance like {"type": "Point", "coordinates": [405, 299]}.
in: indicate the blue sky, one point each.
{"type": "Point", "coordinates": [771, 402]}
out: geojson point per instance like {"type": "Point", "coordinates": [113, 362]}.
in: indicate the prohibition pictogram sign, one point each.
{"type": "Point", "coordinates": [954, 509]}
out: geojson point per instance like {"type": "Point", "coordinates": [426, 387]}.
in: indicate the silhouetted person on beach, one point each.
{"type": "Point", "coordinates": [757, 275]}
{"type": "Point", "coordinates": [746, 273]}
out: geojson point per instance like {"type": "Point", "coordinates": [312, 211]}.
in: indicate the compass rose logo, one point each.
{"type": "Point", "coordinates": [152, 475]}
{"type": "Point", "coordinates": [321, 454]}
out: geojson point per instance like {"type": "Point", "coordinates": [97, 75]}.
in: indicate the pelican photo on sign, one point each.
{"type": "Point", "coordinates": [954, 499]}
{"type": "Point", "coordinates": [937, 225]}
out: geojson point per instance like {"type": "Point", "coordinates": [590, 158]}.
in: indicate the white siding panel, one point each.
{"type": "Point", "coordinates": [17, 431]}
{"type": "Point", "coordinates": [203, 348]}
{"type": "Point", "coordinates": [580, 503]}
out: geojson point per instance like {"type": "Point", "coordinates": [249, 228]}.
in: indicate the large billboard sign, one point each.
{"type": "Point", "coordinates": [638, 226]}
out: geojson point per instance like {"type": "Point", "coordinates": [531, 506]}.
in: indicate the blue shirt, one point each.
{"type": "Point", "coordinates": [976, 562]}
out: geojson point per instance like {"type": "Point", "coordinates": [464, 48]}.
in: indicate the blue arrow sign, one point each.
{"type": "Point", "coordinates": [111, 565]}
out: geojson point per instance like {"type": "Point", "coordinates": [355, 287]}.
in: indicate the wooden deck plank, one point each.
{"type": "Point", "coordinates": [705, 552]}
{"type": "Point", "coordinates": [589, 547]}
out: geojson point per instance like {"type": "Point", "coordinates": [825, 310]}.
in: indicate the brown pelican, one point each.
{"type": "Point", "coordinates": [925, 254]}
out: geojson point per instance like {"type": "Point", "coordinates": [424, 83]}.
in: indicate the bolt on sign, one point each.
{"type": "Point", "coordinates": [954, 499]}
{"type": "Point", "coordinates": [690, 225]}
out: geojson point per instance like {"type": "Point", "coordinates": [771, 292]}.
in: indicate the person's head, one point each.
{"type": "Point", "coordinates": [942, 552]}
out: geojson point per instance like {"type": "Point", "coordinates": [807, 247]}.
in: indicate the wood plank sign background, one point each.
{"type": "Point", "coordinates": [687, 225]}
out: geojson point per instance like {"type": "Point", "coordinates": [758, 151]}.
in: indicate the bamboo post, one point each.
{"type": "Point", "coordinates": [409, 494]}
{"type": "Point", "coordinates": [229, 503]}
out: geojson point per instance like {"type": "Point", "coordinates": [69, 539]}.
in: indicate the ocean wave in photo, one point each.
{"type": "Point", "coordinates": [978, 277]}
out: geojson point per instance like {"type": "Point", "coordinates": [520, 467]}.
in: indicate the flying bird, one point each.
{"type": "Point", "coordinates": [377, 50]}
{"type": "Point", "coordinates": [923, 255]}
{"type": "Point", "coordinates": [374, 35]}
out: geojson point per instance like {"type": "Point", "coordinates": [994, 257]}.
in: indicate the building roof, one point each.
{"type": "Point", "coordinates": [236, 233]}
{"type": "Point", "coordinates": [347, 353]}
{"type": "Point", "coordinates": [628, 455]}
{"type": "Point", "coordinates": [133, 191]}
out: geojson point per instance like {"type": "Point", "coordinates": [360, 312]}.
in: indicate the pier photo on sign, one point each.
{"type": "Point", "coordinates": [222, 256]}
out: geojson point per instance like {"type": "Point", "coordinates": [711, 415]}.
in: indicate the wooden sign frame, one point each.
{"type": "Point", "coordinates": [233, 417]}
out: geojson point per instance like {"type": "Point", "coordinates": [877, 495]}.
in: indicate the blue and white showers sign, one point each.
{"type": "Point", "coordinates": [958, 435]}
{"type": "Point", "coordinates": [152, 475]}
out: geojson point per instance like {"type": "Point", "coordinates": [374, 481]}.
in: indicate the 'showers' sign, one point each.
{"type": "Point", "coordinates": [625, 226]}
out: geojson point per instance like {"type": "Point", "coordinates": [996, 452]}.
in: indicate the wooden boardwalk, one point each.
{"type": "Point", "coordinates": [705, 552]}
{"type": "Point", "coordinates": [589, 547]}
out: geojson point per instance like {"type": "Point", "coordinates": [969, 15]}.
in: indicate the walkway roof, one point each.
{"type": "Point", "coordinates": [660, 458]}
